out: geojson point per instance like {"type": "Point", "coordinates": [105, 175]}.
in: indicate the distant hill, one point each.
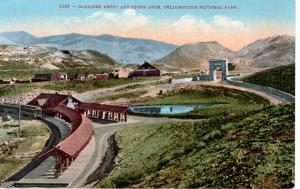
{"type": "Point", "coordinates": [123, 50]}
{"type": "Point", "coordinates": [282, 78]}
{"type": "Point", "coordinates": [194, 56]}
{"type": "Point", "coordinates": [16, 38]}
{"type": "Point", "coordinates": [270, 52]}
{"type": "Point", "coordinates": [53, 58]}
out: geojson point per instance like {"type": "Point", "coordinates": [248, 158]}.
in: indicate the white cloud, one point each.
{"type": "Point", "coordinates": [110, 16]}
{"type": "Point", "coordinates": [95, 14]}
{"type": "Point", "coordinates": [72, 20]}
{"type": "Point", "coordinates": [191, 24]}
{"type": "Point", "coordinates": [224, 22]}
{"type": "Point", "coordinates": [129, 12]}
{"type": "Point", "coordinates": [125, 20]}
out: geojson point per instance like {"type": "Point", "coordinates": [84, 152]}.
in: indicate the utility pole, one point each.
{"type": "Point", "coordinates": [19, 118]}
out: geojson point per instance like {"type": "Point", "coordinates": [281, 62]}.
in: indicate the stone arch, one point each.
{"type": "Point", "coordinates": [215, 64]}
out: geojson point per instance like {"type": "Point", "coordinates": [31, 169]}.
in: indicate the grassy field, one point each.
{"type": "Point", "coordinates": [17, 89]}
{"type": "Point", "coordinates": [282, 78]}
{"type": "Point", "coordinates": [230, 102]}
{"type": "Point", "coordinates": [35, 136]}
{"type": "Point", "coordinates": [9, 165]}
{"type": "Point", "coordinates": [19, 71]}
{"type": "Point", "coordinates": [125, 95]}
{"type": "Point", "coordinates": [76, 86]}
{"type": "Point", "coordinates": [26, 72]}
{"type": "Point", "coordinates": [254, 150]}
{"type": "Point", "coordinates": [83, 86]}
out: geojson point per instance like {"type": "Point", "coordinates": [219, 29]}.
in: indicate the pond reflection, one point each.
{"type": "Point", "coordinates": [167, 109]}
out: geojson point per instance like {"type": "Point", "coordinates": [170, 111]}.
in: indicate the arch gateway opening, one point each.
{"type": "Point", "coordinates": [215, 64]}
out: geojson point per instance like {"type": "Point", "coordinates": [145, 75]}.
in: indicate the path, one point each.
{"type": "Point", "coordinates": [91, 96]}
{"type": "Point", "coordinates": [273, 99]}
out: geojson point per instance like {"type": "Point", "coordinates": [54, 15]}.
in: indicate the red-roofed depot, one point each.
{"type": "Point", "coordinates": [91, 110]}
{"type": "Point", "coordinates": [76, 113]}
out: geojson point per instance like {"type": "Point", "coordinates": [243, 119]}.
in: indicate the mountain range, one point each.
{"type": "Point", "coordinates": [262, 54]}
{"type": "Point", "coordinates": [123, 50]}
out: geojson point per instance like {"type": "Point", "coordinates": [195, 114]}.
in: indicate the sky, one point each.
{"type": "Point", "coordinates": [235, 27]}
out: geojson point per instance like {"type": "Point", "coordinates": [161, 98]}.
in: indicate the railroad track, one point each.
{"type": "Point", "coordinates": [55, 137]}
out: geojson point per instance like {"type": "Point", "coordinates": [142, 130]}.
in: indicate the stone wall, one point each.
{"type": "Point", "coordinates": [268, 90]}
{"type": "Point", "coordinates": [204, 78]}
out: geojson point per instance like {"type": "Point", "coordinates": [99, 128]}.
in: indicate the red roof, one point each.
{"type": "Point", "coordinates": [77, 140]}
{"type": "Point", "coordinates": [103, 107]}
{"type": "Point", "coordinates": [70, 115]}
{"type": "Point", "coordinates": [82, 131]}
{"type": "Point", "coordinates": [46, 100]}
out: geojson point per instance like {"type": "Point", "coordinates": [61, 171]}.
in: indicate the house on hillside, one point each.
{"type": "Point", "coordinates": [50, 77]}
{"type": "Point", "coordinates": [61, 76]}
{"type": "Point", "coordinates": [101, 76]}
{"type": "Point", "coordinates": [80, 77]}
{"type": "Point", "coordinates": [145, 70]}
{"type": "Point", "coordinates": [121, 73]}
{"type": "Point", "coordinates": [42, 77]}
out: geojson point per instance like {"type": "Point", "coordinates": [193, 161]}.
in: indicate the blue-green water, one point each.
{"type": "Point", "coordinates": [167, 109]}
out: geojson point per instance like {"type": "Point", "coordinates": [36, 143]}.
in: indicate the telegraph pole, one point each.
{"type": "Point", "coordinates": [19, 118]}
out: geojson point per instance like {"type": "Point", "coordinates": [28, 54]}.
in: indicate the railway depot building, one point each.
{"type": "Point", "coordinates": [91, 110]}
{"type": "Point", "coordinates": [73, 111]}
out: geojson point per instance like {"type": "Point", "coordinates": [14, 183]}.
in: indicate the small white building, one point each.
{"type": "Point", "coordinates": [121, 72]}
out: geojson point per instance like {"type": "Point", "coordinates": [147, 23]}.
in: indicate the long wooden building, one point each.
{"type": "Point", "coordinates": [77, 113]}
{"type": "Point", "coordinates": [92, 110]}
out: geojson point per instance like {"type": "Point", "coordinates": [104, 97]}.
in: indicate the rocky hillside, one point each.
{"type": "Point", "coordinates": [270, 52]}
{"type": "Point", "coordinates": [194, 56]}
{"type": "Point", "coordinates": [53, 58]}
{"type": "Point", "coordinates": [123, 50]}
{"type": "Point", "coordinates": [262, 54]}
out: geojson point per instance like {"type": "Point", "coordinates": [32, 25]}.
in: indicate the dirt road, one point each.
{"type": "Point", "coordinates": [273, 100]}
{"type": "Point", "coordinates": [92, 96]}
